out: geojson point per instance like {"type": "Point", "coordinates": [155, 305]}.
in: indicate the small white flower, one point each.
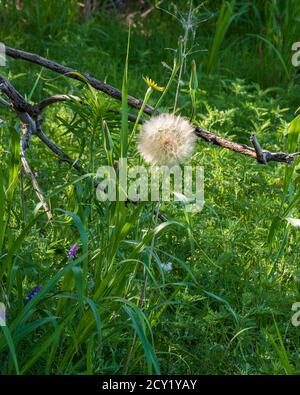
{"type": "Point", "coordinates": [166, 139]}
{"type": "Point", "coordinates": [293, 221]}
{"type": "Point", "coordinates": [167, 267]}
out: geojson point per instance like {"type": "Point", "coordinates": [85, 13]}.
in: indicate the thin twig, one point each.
{"type": "Point", "coordinates": [26, 132]}
{"type": "Point", "coordinates": [260, 154]}
{"type": "Point", "coordinates": [54, 148]}
{"type": "Point", "coordinates": [4, 102]}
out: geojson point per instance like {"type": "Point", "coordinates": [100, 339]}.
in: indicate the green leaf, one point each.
{"type": "Point", "coordinates": [11, 346]}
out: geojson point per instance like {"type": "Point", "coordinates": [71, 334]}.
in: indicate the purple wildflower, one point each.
{"type": "Point", "coordinates": [73, 251]}
{"type": "Point", "coordinates": [32, 294]}
{"type": "Point", "coordinates": [19, 127]}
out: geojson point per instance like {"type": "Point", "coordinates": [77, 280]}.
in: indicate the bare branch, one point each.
{"type": "Point", "coordinates": [38, 108]}
{"type": "Point", "coordinates": [206, 135]}
{"type": "Point", "coordinates": [244, 149]}
{"type": "Point", "coordinates": [76, 75]}
{"type": "Point", "coordinates": [26, 132]}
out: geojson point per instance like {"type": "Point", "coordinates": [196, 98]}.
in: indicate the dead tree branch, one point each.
{"type": "Point", "coordinates": [262, 156]}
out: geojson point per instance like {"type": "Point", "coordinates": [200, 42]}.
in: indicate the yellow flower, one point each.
{"type": "Point", "coordinates": [152, 84]}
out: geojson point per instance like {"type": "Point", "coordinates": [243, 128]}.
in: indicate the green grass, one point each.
{"type": "Point", "coordinates": [225, 308]}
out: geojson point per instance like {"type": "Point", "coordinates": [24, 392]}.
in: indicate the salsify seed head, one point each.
{"type": "Point", "coordinates": [166, 139]}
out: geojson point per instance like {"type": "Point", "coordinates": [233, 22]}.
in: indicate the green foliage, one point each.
{"type": "Point", "coordinates": [224, 20]}
{"type": "Point", "coordinates": [226, 305]}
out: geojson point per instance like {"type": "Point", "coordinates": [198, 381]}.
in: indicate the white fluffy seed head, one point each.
{"type": "Point", "coordinates": [166, 139]}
